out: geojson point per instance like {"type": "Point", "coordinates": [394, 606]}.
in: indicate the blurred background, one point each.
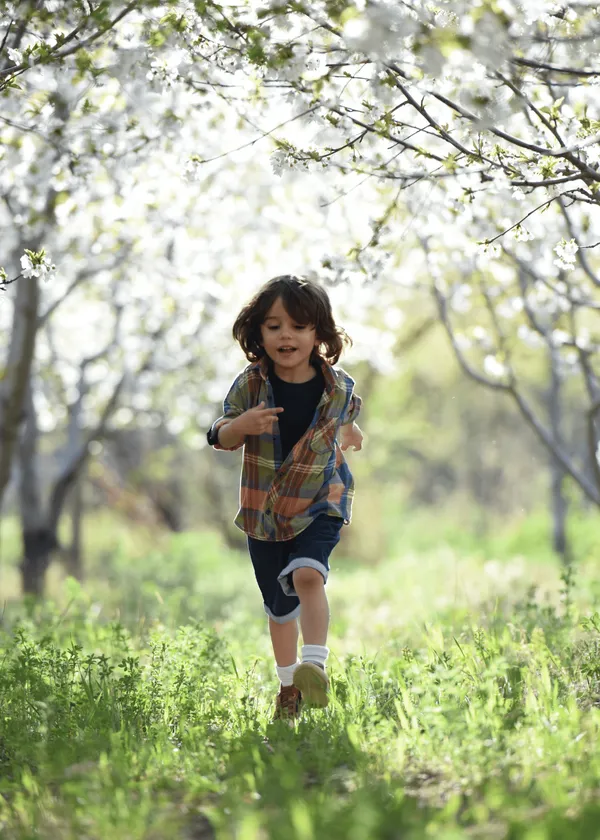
{"type": "Point", "coordinates": [163, 208]}
{"type": "Point", "coordinates": [445, 462]}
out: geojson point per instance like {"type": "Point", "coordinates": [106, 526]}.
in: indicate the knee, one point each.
{"type": "Point", "coordinates": [307, 580]}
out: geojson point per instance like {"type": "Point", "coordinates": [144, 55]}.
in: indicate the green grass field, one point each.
{"type": "Point", "coordinates": [465, 699]}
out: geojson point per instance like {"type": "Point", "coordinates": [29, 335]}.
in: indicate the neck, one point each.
{"type": "Point", "coordinates": [295, 375]}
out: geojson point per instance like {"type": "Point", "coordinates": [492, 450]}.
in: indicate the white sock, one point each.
{"type": "Point", "coordinates": [316, 654]}
{"type": "Point", "coordinates": [286, 673]}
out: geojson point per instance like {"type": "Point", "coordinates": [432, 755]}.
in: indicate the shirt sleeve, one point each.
{"type": "Point", "coordinates": [234, 404]}
{"type": "Point", "coordinates": [353, 403]}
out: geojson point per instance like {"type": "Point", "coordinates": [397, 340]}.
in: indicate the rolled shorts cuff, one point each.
{"type": "Point", "coordinates": [299, 563]}
{"type": "Point", "coordinates": [283, 619]}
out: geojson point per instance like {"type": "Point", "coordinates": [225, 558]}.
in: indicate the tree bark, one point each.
{"type": "Point", "coordinates": [15, 377]}
{"type": "Point", "coordinates": [74, 554]}
{"type": "Point", "coordinates": [39, 540]}
{"type": "Point", "coordinates": [558, 502]}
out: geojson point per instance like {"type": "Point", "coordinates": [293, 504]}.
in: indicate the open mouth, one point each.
{"type": "Point", "coordinates": [286, 351]}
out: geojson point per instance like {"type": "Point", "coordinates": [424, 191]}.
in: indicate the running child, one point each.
{"type": "Point", "coordinates": [294, 413]}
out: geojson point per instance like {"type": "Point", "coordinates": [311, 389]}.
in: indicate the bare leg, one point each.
{"type": "Point", "coordinates": [285, 641]}
{"type": "Point", "coordinates": [314, 613]}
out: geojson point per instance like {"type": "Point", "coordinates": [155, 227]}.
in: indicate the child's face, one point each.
{"type": "Point", "coordinates": [288, 343]}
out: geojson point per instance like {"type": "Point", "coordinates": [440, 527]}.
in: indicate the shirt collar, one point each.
{"type": "Point", "coordinates": [328, 375]}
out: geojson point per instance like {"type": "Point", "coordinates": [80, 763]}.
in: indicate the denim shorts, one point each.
{"type": "Point", "coordinates": [274, 563]}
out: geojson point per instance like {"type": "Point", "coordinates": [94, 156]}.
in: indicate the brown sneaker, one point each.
{"type": "Point", "coordinates": [287, 703]}
{"type": "Point", "coordinates": [313, 683]}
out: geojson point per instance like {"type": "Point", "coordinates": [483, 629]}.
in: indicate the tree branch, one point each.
{"type": "Point", "coordinates": [554, 68]}
{"type": "Point", "coordinates": [581, 257]}
{"type": "Point", "coordinates": [18, 69]}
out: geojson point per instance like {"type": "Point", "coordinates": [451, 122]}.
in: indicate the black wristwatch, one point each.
{"type": "Point", "coordinates": [212, 436]}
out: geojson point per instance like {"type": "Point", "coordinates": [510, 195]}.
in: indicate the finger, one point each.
{"type": "Point", "coordinates": [272, 410]}
{"type": "Point", "coordinates": [261, 405]}
{"type": "Point", "coordinates": [269, 425]}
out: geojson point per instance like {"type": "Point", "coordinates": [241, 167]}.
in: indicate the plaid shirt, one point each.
{"type": "Point", "coordinates": [279, 500]}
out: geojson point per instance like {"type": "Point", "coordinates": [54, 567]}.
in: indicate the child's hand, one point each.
{"type": "Point", "coordinates": [256, 420]}
{"type": "Point", "coordinates": [351, 435]}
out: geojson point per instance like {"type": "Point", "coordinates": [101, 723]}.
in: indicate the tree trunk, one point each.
{"type": "Point", "coordinates": [16, 374]}
{"type": "Point", "coordinates": [558, 502]}
{"type": "Point", "coordinates": [73, 556]}
{"type": "Point", "coordinates": [38, 547]}
{"type": "Point", "coordinates": [560, 510]}
{"type": "Point", "coordinates": [39, 540]}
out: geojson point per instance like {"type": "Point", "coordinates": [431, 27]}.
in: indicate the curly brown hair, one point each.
{"type": "Point", "coordinates": [306, 302]}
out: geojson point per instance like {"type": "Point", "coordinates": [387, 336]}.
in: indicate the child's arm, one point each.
{"type": "Point", "coordinates": [230, 431]}
{"type": "Point", "coordinates": [255, 421]}
{"type": "Point", "coordinates": [350, 434]}
{"type": "Point", "coordinates": [234, 405]}
{"type": "Point", "coordinates": [228, 435]}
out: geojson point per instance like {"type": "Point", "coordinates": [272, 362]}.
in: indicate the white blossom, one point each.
{"type": "Point", "coordinates": [461, 298]}
{"type": "Point", "coordinates": [480, 334]}
{"type": "Point", "coordinates": [15, 55]}
{"type": "Point", "coordinates": [521, 234]}
{"type": "Point", "coordinates": [493, 367]}
{"type": "Point", "coordinates": [380, 30]}
{"type": "Point", "coordinates": [592, 153]}
{"type": "Point", "coordinates": [510, 308]}
{"type": "Point", "coordinates": [528, 336]}
{"type": "Point", "coordinates": [566, 252]}
{"type": "Point", "coordinates": [560, 337]}
{"type": "Point", "coordinates": [44, 268]}
{"type": "Point", "coordinates": [279, 161]}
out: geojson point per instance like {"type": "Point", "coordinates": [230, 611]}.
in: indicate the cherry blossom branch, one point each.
{"type": "Point", "coordinates": [17, 69]}
{"type": "Point", "coordinates": [590, 490]}
{"type": "Point", "coordinates": [4, 281]}
{"type": "Point", "coordinates": [555, 68]}
{"type": "Point", "coordinates": [564, 151]}
{"type": "Point", "coordinates": [6, 34]}
{"type": "Point", "coordinates": [430, 119]}
{"type": "Point", "coordinates": [520, 222]}
{"type": "Point", "coordinates": [581, 257]}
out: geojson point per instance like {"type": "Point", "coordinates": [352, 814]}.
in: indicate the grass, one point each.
{"type": "Point", "coordinates": [465, 701]}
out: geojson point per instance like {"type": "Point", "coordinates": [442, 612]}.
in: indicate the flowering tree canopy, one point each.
{"type": "Point", "coordinates": [479, 122]}
{"type": "Point", "coordinates": [471, 126]}
{"type": "Point", "coordinates": [75, 110]}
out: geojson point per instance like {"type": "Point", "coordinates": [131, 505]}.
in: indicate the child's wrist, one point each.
{"type": "Point", "coordinates": [237, 424]}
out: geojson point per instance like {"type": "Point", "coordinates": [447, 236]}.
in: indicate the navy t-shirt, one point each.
{"type": "Point", "coordinates": [300, 400]}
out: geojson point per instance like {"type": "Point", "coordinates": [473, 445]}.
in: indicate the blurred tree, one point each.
{"type": "Point", "coordinates": [492, 149]}
{"type": "Point", "coordinates": [52, 57]}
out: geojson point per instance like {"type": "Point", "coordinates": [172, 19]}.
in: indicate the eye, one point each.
{"type": "Point", "coordinates": [272, 328]}
{"type": "Point", "coordinates": [300, 326]}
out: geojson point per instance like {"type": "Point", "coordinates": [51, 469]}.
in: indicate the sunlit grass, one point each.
{"type": "Point", "coordinates": [465, 693]}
